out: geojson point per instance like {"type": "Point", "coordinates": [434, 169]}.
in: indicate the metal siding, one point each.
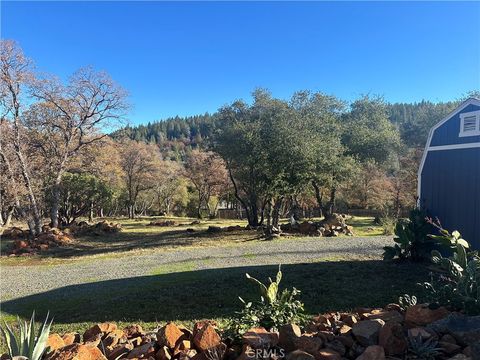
{"type": "Point", "coordinates": [447, 134]}
{"type": "Point", "coordinates": [451, 190]}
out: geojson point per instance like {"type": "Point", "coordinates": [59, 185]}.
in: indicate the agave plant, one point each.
{"type": "Point", "coordinates": [27, 343]}
{"type": "Point", "coordinates": [422, 349]}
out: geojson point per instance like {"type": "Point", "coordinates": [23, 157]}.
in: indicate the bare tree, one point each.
{"type": "Point", "coordinates": [71, 117]}
{"type": "Point", "coordinates": [16, 75]}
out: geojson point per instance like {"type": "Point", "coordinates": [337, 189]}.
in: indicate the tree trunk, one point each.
{"type": "Point", "coordinates": [330, 209]}
{"type": "Point", "coordinates": [318, 196]}
{"type": "Point", "coordinates": [55, 203]}
{"type": "Point", "coordinates": [9, 216]}
{"type": "Point", "coordinates": [90, 214]}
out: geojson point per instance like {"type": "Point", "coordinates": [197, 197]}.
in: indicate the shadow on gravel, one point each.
{"type": "Point", "coordinates": [336, 285]}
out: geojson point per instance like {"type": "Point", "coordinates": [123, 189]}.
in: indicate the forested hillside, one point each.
{"type": "Point", "coordinates": [413, 120]}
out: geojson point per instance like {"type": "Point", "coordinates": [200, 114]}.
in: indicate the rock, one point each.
{"type": "Point", "coordinates": [309, 344]}
{"type": "Point", "coordinates": [119, 350]}
{"type": "Point", "coordinates": [182, 346]}
{"type": "Point", "coordinates": [393, 306]}
{"type": "Point", "coordinates": [345, 330]}
{"type": "Point", "coordinates": [190, 354]}
{"type": "Point", "coordinates": [449, 348]}
{"type": "Point", "coordinates": [299, 355]}
{"type": "Point", "coordinates": [70, 338]}
{"type": "Point", "coordinates": [415, 332]}
{"type": "Point", "coordinates": [349, 319]}
{"type": "Point", "coordinates": [214, 229]}
{"type": "Point", "coordinates": [465, 329]}
{"type": "Point", "coordinates": [287, 335]}
{"type": "Point", "coordinates": [169, 335]}
{"type": "Point", "coordinates": [337, 346]}
{"type": "Point", "coordinates": [385, 315]}
{"type": "Point", "coordinates": [448, 338]}
{"type": "Point", "coordinates": [459, 357]}
{"type": "Point", "coordinates": [346, 340]}
{"type": "Point", "coordinates": [373, 352]}
{"type": "Point", "coordinates": [163, 354]}
{"type": "Point", "coordinates": [113, 338]}
{"type": "Point", "coordinates": [392, 339]}
{"type": "Point", "coordinates": [327, 354]}
{"type": "Point", "coordinates": [75, 352]}
{"type": "Point", "coordinates": [366, 331]}
{"type": "Point", "coordinates": [421, 315]}
{"type": "Point", "coordinates": [55, 342]}
{"type": "Point", "coordinates": [259, 338]}
{"type": "Point", "coordinates": [142, 351]}
{"type": "Point", "coordinates": [132, 331]}
{"type": "Point", "coordinates": [206, 338]}
{"type": "Point", "coordinates": [98, 329]}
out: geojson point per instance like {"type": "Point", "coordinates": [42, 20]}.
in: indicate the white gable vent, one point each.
{"type": "Point", "coordinates": [470, 123]}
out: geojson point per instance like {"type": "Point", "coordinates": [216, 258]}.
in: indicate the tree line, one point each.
{"type": "Point", "coordinates": [270, 158]}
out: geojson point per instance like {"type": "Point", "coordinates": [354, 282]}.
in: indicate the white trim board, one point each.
{"type": "Point", "coordinates": [471, 101]}
{"type": "Point", "coordinates": [455, 146]}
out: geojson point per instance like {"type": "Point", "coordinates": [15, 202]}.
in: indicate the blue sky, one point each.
{"type": "Point", "coordinates": [187, 58]}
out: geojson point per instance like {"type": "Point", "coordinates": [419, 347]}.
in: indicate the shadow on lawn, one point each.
{"type": "Point", "coordinates": [185, 296]}
{"type": "Point", "coordinates": [125, 241]}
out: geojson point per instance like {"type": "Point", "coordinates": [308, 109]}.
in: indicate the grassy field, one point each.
{"type": "Point", "coordinates": [136, 236]}
{"type": "Point", "coordinates": [183, 293]}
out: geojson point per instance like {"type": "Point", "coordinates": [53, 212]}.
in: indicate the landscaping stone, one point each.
{"type": "Point", "coordinates": [169, 335]}
{"type": "Point", "coordinates": [259, 338]}
{"type": "Point", "coordinates": [328, 354]}
{"type": "Point", "coordinates": [55, 342]}
{"type": "Point", "coordinates": [372, 352]}
{"type": "Point", "coordinates": [133, 331]}
{"type": "Point", "coordinates": [206, 337]}
{"type": "Point", "coordinates": [119, 350]}
{"type": "Point", "coordinates": [421, 315]}
{"type": "Point", "coordinates": [163, 354]}
{"type": "Point", "coordinates": [309, 344]}
{"type": "Point", "coordinates": [366, 331]}
{"type": "Point", "coordinates": [75, 352]}
{"type": "Point", "coordinates": [98, 329]}
{"type": "Point", "coordinates": [287, 335]}
{"type": "Point", "coordinates": [70, 338]}
{"type": "Point", "coordinates": [299, 355]}
{"type": "Point", "coordinates": [392, 338]}
{"type": "Point", "coordinates": [465, 329]}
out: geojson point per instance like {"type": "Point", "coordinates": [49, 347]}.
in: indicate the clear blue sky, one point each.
{"type": "Point", "coordinates": [186, 58]}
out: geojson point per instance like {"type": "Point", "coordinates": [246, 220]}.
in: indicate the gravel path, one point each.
{"type": "Point", "coordinates": [20, 281]}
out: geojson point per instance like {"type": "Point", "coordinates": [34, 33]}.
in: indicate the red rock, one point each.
{"type": "Point", "coordinates": [385, 315]}
{"type": "Point", "coordinates": [206, 338]}
{"type": "Point", "coordinates": [337, 346]}
{"type": "Point", "coordinates": [142, 351]}
{"type": "Point", "coordinates": [327, 354]}
{"type": "Point", "coordinates": [395, 307]}
{"type": "Point", "coordinates": [346, 340]}
{"type": "Point", "coordinates": [119, 350]}
{"type": "Point", "coordinates": [99, 329]}
{"type": "Point", "coordinates": [169, 335]}
{"type": "Point", "coordinates": [182, 346]}
{"type": "Point", "coordinates": [70, 338]}
{"type": "Point", "coordinates": [421, 315]}
{"type": "Point", "coordinates": [309, 344]}
{"type": "Point", "coordinates": [163, 354]}
{"type": "Point", "coordinates": [373, 352]}
{"type": "Point", "coordinates": [132, 331]}
{"type": "Point", "coordinates": [393, 339]}
{"type": "Point", "coordinates": [366, 331]}
{"type": "Point", "coordinates": [345, 330]}
{"type": "Point", "coordinates": [415, 332]}
{"type": "Point", "coordinates": [287, 335]}
{"type": "Point", "coordinates": [349, 319]}
{"type": "Point", "coordinates": [299, 355]}
{"type": "Point", "coordinates": [113, 338]}
{"type": "Point", "coordinates": [55, 342]}
{"type": "Point", "coordinates": [260, 338]}
{"type": "Point", "coordinates": [75, 352]}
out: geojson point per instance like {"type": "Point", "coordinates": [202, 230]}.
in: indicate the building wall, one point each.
{"type": "Point", "coordinates": [451, 190]}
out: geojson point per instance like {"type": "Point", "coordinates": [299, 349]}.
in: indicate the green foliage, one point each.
{"type": "Point", "coordinates": [456, 283]}
{"type": "Point", "coordinates": [411, 239]}
{"type": "Point", "coordinates": [272, 311]}
{"type": "Point", "coordinates": [406, 301]}
{"type": "Point", "coordinates": [27, 343]}
{"type": "Point", "coordinates": [421, 349]}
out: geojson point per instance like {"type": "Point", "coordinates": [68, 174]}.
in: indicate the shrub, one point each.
{"type": "Point", "coordinates": [272, 311]}
{"type": "Point", "coordinates": [411, 239]}
{"type": "Point", "coordinates": [26, 342]}
{"type": "Point", "coordinates": [456, 282]}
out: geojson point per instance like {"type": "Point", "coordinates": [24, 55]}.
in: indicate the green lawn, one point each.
{"type": "Point", "coordinates": [189, 295]}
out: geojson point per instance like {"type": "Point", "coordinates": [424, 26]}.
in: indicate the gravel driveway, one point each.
{"type": "Point", "coordinates": [20, 281]}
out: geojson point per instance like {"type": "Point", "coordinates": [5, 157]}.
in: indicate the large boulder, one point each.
{"type": "Point", "coordinates": [287, 336]}
{"type": "Point", "coordinates": [169, 335]}
{"type": "Point", "coordinates": [260, 338]}
{"type": "Point", "coordinates": [205, 337]}
{"type": "Point", "coordinates": [98, 329]}
{"type": "Point", "coordinates": [76, 352]}
{"type": "Point", "coordinates": [392, 338]}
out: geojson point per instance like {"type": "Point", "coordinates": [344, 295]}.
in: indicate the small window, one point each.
{"type": "Point", "coordinates": [470, 124]}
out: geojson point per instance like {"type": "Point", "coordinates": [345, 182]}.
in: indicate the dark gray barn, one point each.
{"type": "Point", "coordinates": [449, 173]}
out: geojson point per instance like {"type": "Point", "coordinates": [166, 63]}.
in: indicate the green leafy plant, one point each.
{"type": "Point", "coordinates": [274, 309]}
{"type": "Point", "coordinates": [406, 301]}
{"type": "Point", "coordinates": [418, 348]}
{"type": "Point", "coordinates": [411, 239]}
{"type": "Point", "coordinates": [27, 342]}
{"type": "Point", "coordinates": [456, 280]}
